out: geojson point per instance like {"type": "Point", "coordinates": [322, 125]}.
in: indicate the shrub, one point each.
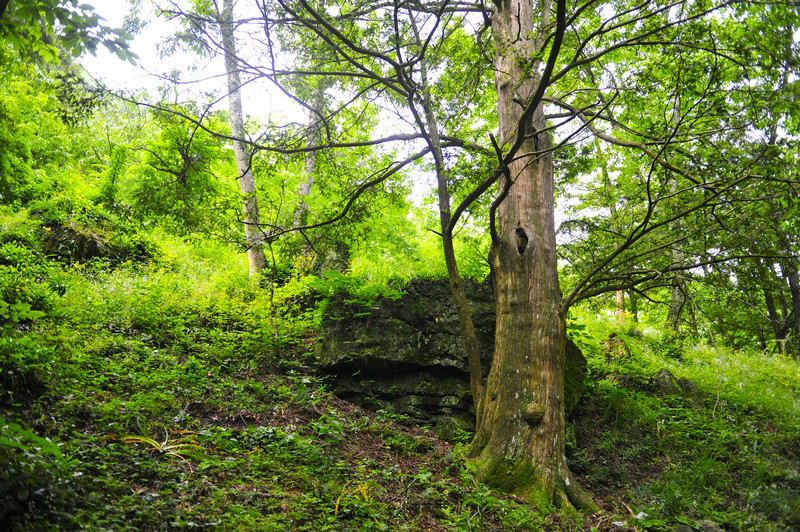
{"type": "Point", "coordinates": [28, 284]}
{"type": "Point", "coordinates": [35, 480]}
{"type": "Point", "coordinates": [26, 367]}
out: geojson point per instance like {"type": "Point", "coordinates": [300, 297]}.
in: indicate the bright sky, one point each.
{"type": "Point", "coordinates": [108, 67]}
{"type": "Point", "coordinates": [258, 99]}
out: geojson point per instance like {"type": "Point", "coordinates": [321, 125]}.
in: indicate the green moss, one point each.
{"type": "Point", "coordinates": [520, 478]}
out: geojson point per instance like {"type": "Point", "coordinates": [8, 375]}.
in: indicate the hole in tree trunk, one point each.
{"type": "Point", "coordinates": [522, 240]}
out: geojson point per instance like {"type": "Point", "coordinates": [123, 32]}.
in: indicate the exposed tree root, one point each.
{"type": "Point", "coordinates": [577, 497]}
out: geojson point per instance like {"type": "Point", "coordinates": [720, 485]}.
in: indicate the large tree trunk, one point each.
{"type": "Point", "coordinates": [792, 276]}
{"type": "Point", "coordinates": [247, 185]}
{"type": "Point", "coordinates": [519, 442]}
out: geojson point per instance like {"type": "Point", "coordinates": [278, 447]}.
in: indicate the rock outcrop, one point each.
{"type": "Point", "coordinates": [407, 355]}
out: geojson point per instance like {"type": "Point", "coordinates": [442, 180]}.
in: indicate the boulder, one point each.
{"type": "Point", "coordinates": [625, 381]}
{"type": "Point", "coordinates": [710, 526]}
{"type": "Point", "coordinates": [615, 349]}
{"type": "Point", "coordinates": [407, 355]}
{"type": "Point", "coordinates": [665, 383]}
{"type": "Point", "coordinates": [68, 241]}
{"type": "Point", "coordinates": [420, 329]}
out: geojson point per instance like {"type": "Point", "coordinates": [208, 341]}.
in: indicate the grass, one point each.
{"type": "Point", "coordinates": [729, 456]}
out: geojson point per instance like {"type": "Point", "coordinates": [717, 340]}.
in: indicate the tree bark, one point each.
{"type": "Point", "coordinates": [247, 186]}
{"type": "Point", "coordinates": [680, 288]}
{"type": "Point", "coordinates": [634, 302]}
{"type": "Point", "coordinates": [793, 278]}
{"type": "Point", "coordinates": [519, 442]}
{"type": "Point", "coordinates": [313, 136]}
{"type": "Point", "coordinates": [777, 321]}
{"type": "Point", "coordinates": [680, 301]}
{"type": "Point", "coordinates": [619, 300]}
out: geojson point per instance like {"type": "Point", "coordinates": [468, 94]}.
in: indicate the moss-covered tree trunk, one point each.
{"type": "Point", "coordinates": [519, 442]}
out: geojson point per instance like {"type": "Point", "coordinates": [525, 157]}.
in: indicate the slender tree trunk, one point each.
{"type": "Point", "coordinates": [619, 300]}
{"type": "Point", "coordinates": [677, 302]}
{"type": "Point", "coordinates": [608, 187]}
{"type": "Point", "coordinates": [336, 255]}
{"type": "Point", "coordinates": [681, 299]}
{"type": "Point", "coordinates": [634, 303]}
{"type": "Point", "coordinates": [247, 185]}
{"type": "Point", "coordinates": [519, 443]}
{"type": "Point", "coordinates": [454, 276]}
{"type": "Point", "coordinates": [312, 139]}
{"type": "Point", "coordinates": [680, 288]}
{"type": "Point", "coordinates": [777, 321]}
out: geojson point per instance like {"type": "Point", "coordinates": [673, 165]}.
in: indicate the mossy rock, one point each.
{"type": "Point", "coordinates": [665, 383]}
{"type": "Point", "coordinates": [419, 329]}
{"type": "Point", "coordinates": [574, 376]}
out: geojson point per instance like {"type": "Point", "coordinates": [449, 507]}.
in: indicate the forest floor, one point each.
{"type": "Point", "coordinates": [153, 397]}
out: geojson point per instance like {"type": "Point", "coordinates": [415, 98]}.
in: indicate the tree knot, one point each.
{"type": "Point", "coordinates": [533, 414]}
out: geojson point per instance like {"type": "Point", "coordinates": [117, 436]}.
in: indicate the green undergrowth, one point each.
{"type": "Point", "coordinates": [168, 395]}
{"type": "Point", "coordinates": [728, 452]}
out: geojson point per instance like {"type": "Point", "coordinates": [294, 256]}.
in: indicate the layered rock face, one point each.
{"type": "Point", "coordinates": [407, 355]}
